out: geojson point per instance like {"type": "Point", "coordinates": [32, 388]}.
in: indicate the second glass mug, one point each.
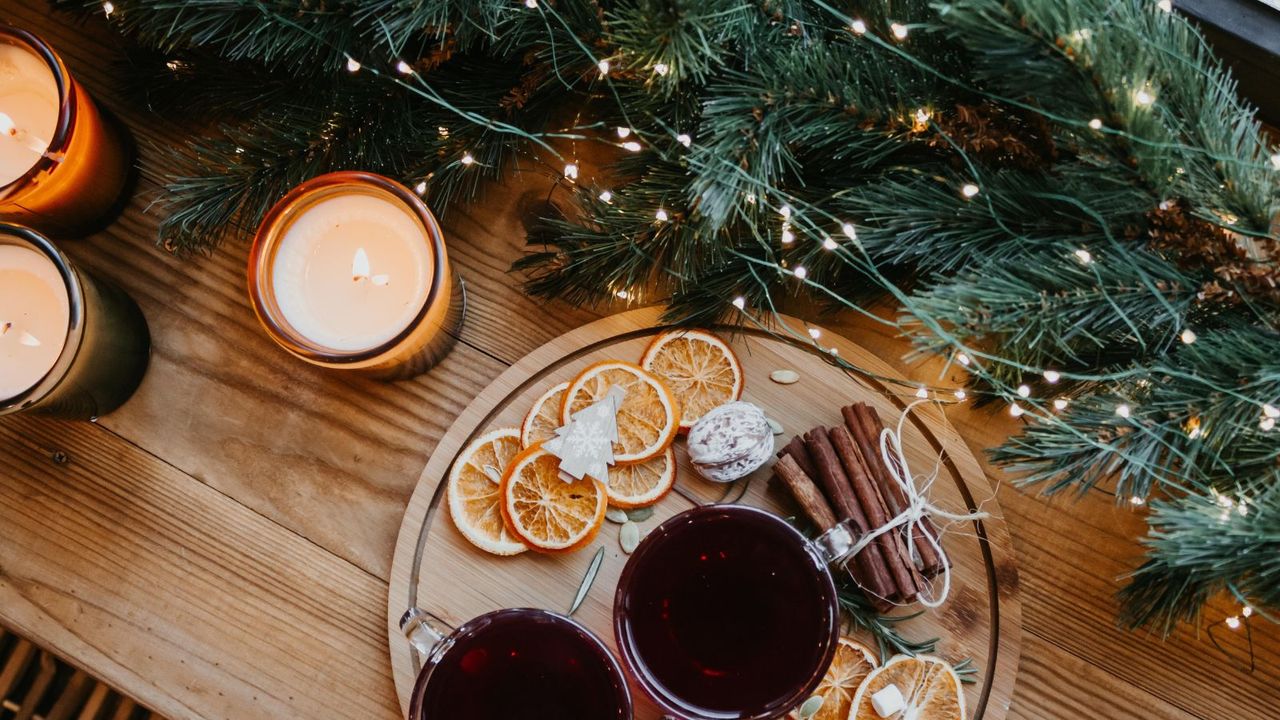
{"type": "Point", "coordinates": [699, 654]}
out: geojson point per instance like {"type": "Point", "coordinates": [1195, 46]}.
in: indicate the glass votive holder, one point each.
{"type": "Point", "coordinates": [63, 166]}
{"type": "Point", "coordinates": [72, 345]}
{"type": "Point", "coordinates": [349, 271]}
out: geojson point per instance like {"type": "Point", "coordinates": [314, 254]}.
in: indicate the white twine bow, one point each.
{"type": "Point", "coordinates": [918, 507]}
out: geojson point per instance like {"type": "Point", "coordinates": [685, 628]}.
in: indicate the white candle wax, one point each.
{"type": "Point", "coordinates": [28, 110]}
{"type": "Point", "coordinates": [34, 316]}
{"type": "Point", "coordinates": [352, 271]}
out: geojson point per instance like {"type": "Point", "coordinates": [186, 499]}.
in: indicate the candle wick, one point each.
{"type": "Point", "coordinates": [4, 329]}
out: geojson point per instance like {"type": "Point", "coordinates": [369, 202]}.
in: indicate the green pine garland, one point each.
{"type": "Point", "coordinates": [1066, 196]}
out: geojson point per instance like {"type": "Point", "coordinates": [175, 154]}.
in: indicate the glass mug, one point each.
{"type": "Point", "coordinates": [726, 612]}
{"type": "Point", "coordinates": [522, 663]}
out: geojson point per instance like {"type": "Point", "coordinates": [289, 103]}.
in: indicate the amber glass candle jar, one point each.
{"type": "Point", "coordinates": [349, 271]}
{"type": "Point", "coordinates": [62, 166]}
{"type": "Point", "coordinates": [71, 345]}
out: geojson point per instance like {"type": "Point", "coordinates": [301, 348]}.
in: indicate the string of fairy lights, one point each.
{"type": "Point", "coordinates": [1022, 403]}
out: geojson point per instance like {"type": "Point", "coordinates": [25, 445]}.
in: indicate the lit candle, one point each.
{"type": "Point", "coordinates": [71, 345]}
{"type": "Point", "coordinates": [28, 110]}
{"type": "Point", "coordinates": [349, 271]}
{"type": "Point", "coordinates": [63, 166]}
{"type": "Point", "coordinates": [34, 316]}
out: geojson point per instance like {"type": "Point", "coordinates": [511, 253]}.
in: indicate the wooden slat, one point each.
{"type": "Point", "coordinates": [177, 594]}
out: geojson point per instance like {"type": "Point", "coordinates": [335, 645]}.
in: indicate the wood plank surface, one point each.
{"type": "Point", "coordinates": [219, 548]}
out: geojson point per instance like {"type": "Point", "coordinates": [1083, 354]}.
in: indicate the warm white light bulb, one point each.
{"type": "Point", "coordinates": [606, 196]}
{"type": "Point", "coordinates": [1270, 411]}
{"type": "Point", "coordinates": [623, 294]}
{"type": "Point", "coordinates": [800, 272]}
{"type": "Point", "coordinates": [1233, 622]}
{"type": "Point", "coordinates": [1084, 256]}
{"type": "Point", "coordinates": [1136, 500]}
{"type": "Point", "coordinates": [571, 171]}
{"type": "Point", "coordinates": [922, 392]}
{"type": "Point", "coordinates": [1052, 376]}
{"type": "Point", "coordinates": [785, 211]}
{"type": "Point", "coordinates": [108, 8]}
{"type": "Point", "coordinates": [623, 132]}
{"type": "Point", "coordinates": [1267, 424]}
{"type": "Point", "coordinates": [531, 4]}
{"type": "Point", "coordinates": [1144, 97]}
{"type": "Point", "coordinates": [1123, 410]}
{"type": "Point", "coordinates": [662, 68]}
{"type": "Point", "coordinates": [631, 145]}
{"type": "Point", "coordinates": [1016, 410]}
{"type": "Point", "coordinates": [403, 67]}
{"type": "Point", "coordinates": [1246, 611]}
{"type": "Point", "coordinates": [788, 237]}
{"type": "Point", "coordinates": [1165, 5]}
{"type": "Point", "coordinates": [1060, 404]}
{"type": "Point", "coordinates": [963, 359]}
{"type": "Point", "coordinates": [1096, 124]}
{"type": "Point", "coordinates": [739, 302]}
{"type": "Point", "coordinates": [1188, 336]}
{"type": "Point", "coordinates": [353, 65]}
{"type": "Point", "coordinates": [849, 231]}
{"type": "Point", "coordinates": [684, 140]}
{"type": "Point", "coordinates": [467, 159]}
{"type": "Point", "coordinates": [922, 116]}
{"type": "Point", "coordinates": [961, 394]}
{"type": "Point", "coordinates": [969, 190]}
{"type": "Point", "coordinates": [859, 27]}
{"type": "Point", "coordinates": [815, 333]}
{"type": "Point", "coordinates": [662, 215]}
{"type": "Point", "coordinates": [420, 188]}
{"type": "Point", "coordinates": [604, 67]}
{"type": "Point", "coordinates": [1024, 391]}
{"type": "Point", "coordinates": [828, 244]}
{"type": "Point", "coordinates": [1275, 161]}
{"type": "Point", "coordinates": [899, 30]}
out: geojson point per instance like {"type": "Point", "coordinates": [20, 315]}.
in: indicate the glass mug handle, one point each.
{"type": "Point", "coordinates": [425, 631]}
{"type": "Point", "coordinates": [836, 544]}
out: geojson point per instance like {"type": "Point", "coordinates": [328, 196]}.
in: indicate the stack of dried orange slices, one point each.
{"type": "Point", "coordinates": [506, 494]}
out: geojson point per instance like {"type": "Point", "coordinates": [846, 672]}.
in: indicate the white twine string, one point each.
{"type": "Point", "coordinates": [918, 507]}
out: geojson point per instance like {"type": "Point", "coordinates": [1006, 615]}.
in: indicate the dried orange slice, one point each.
{"type": "Point", "coordinates": [648, 418]}
{"type": "Point", "coordinates": [640, 484]}
{"type": "Point", "coordinates": [544, 417]}
{"type": "Point", "coordinates": [851, 665]}
{"type": "Point", "coordinates": [928, 684]}
{"type": "Point", "coordinates": [700, 369]}
{"type": "Point", "coordinates": [475, 491]}
{"type": "Point", "coordinates": [546, 512]}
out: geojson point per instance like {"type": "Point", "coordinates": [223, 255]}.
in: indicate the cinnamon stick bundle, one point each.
{"type": "Point", "coordinates": [901, 567]}
{"type": "Point", "coordinates": [796, 449]}
{"type": "Point", "coordinates": [865, 427]}
{"type": "Point", "coordinates": [870, 567]}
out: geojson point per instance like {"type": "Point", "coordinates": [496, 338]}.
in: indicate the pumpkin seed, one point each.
{"type": "Point", "coordinates": [629, 537]}
{"type": "Point", "coordinates": [615, 515]}
{"type": "Point", "coordinates": [784, 377]}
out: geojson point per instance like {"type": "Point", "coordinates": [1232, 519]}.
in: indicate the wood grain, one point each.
{"type": "Point", "coordinates": [437, 570]}
{"type": "Point", "coordinates": [358, 449]}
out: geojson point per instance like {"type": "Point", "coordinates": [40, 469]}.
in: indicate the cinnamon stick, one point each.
{"type": "Point", "coordinates": [865, 426]}
{"type": "Point", "coordinates": [796, 449]}
{"type": "Point", "coordinates": [807, 494]}
{"type": "Point", "coordinates": [870, 567]}
{"type": "Point", "coordinates": [901, 567]}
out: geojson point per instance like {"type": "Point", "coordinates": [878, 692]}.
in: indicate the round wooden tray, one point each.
{"type": "Point", "coordinates": [436, 569]}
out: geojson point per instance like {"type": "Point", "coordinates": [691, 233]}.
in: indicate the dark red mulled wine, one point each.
{"type": "Point", "coordinates": [527, 664]}
{"type": "Point", "coordinates": [726, 612]}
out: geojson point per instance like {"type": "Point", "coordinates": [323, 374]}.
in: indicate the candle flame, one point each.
{"type": "Point", "coordinates": [360, 265]}
{"type": "Point", "coordinates": [6, 125]}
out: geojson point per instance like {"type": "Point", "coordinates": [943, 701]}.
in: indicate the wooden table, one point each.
{"type": "Point", "coordinates": [220, 547]}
